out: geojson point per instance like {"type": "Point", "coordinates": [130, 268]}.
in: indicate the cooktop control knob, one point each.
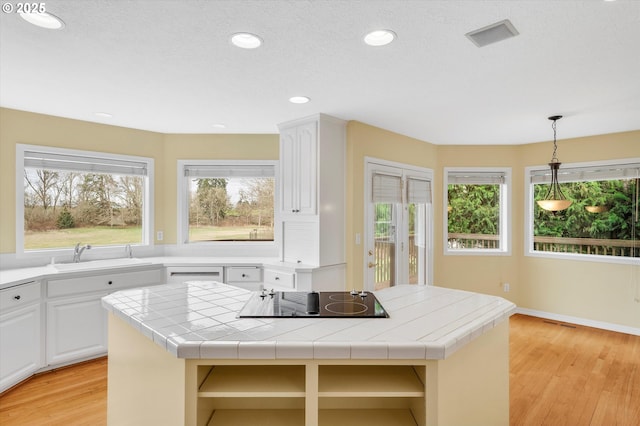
{"type": "Point", "coordinates": [363, 294]}
{"type": "Point", "coordinates": [354, 292]}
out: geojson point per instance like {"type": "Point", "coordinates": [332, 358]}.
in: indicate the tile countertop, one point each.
{"type": "Point", "coordinates": [198, 319]}
{"type": "Point", "coordinates": [12, 277]}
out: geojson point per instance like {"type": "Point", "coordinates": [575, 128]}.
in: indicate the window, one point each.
{"type": "Point", "coordinates": [601, 223]}
{"type": "Point", "coordinates": [476, 216]}
{"type": "Point", "coordinates": [65, 197]}
{"type": "Point", "coordinates": [231, 201]}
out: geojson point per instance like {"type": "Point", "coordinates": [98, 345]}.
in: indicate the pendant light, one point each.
{"type": "Point", "coordinates": [554, 200]}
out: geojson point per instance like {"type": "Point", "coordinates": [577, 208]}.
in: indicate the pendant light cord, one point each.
{"type": "Point", "coordinates": [554, 157]}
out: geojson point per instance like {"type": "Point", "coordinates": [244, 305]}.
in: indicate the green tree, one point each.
{"type": "Point", "coordinates": [65, 220]}
{"type": "Point", "coordinates": [213, 199]}
{"type": "Point", "coordinates": [474, 209]}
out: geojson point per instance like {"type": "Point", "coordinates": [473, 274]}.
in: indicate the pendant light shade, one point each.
{"type": "Point", "coordinates": [555, 200]}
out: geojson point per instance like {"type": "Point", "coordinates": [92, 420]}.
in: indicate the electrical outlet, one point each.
{"type": "Point", "coordinates": [506, 287]}
{"type": "Point", "coordinates": [159, 235]}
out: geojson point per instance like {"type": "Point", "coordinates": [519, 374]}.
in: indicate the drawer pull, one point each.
{"type": "Point", "coordinates": [110, 282]}
{"type": "Point", "coordinates": [277, 278]}
{"type": "Point", "coordinates": [17, 297]}
{"type": "Point", "coordinates": [244, 275]}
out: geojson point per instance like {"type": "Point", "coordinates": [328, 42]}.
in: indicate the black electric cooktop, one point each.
{"type": "Point", "coordinates": [292, 304]}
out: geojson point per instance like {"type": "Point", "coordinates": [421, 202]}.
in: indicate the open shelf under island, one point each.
{"type": "Point", "coordinates": [178, 354]}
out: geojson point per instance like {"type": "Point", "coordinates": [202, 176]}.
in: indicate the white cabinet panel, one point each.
{"type": "Point", "coordinates": [278, 279]}
{"type": "Point", "coordinates": [20, 344]}
{"type": "Point", "coordinates": [312, 183]}
{"type": "Point", "coordinates": [19, 296]}
{"type": "Point", "coordinates": [102, 282]}
{"type": "Point", "coordinates": [298, 176]}
{"type": "Point", "coordinates": [239, 274]}
{"type": "Point", "coordinates": [76, 328]}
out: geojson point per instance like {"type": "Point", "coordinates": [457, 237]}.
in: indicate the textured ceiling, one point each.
{"type": "Point", "coordinates": [168, 66]}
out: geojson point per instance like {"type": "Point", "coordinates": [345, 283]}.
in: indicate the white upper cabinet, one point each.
{"type": "Point", "coordinates": [312, 189]}
{"type": "Point", "coordinates": [299, 156]}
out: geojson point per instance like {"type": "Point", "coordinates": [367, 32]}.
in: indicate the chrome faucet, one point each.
{"type": "Point", "coordinates": [77, 252]}
{"type": "Point", "coordinates": [128, 250]}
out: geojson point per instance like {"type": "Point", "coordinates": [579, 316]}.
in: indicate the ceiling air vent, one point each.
{"type": "Point", "coordinates": [492, 33]}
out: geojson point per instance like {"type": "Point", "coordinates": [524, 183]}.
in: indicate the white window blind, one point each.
{"type": "Point", "coordinates": [418, 191]}
{"type": "Point", "coordinates": [476, 177]}
{"type": "Point", "coordinates": [83, 163]}
{"type": "Point", "coordinates": [227, 171]}
{"type": "Point", "coordinates": [593, 173]}
{"type": "Point", "coordinates": [386, 188]}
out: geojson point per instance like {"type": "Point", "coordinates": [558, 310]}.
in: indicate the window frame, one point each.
{"type": "Point", "coordinates": [183, 209]}
{"type": "Point", "coordinates": [505, 221]}
{"type": "Point", "coordinates": [528, 212]}
{"type": "Point", "coordinates": [96, 252]}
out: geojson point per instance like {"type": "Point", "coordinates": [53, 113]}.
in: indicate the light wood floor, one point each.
{"type": "Point", "coordinates": [560, 375]}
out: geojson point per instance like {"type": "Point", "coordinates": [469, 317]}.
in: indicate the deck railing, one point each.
{"type": "Point", "coordinates": [628, 248]}
{"type": "Point", "coordinates": [385, 268]}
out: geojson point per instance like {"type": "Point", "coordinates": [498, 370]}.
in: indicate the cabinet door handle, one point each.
{"type": "Point", "coordinates": [110, 282]}
{"type": "Point", "coordinates": [277, 278]}
{"type": "Point", "coordinates": [17, 297]}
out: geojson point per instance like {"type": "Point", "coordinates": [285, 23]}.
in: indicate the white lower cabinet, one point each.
{"type": "Point", "coordinates": [20, 344]}
{"type": "Point", "coordinates": [279, 279]}
{"type": "Point", "coordinates": [247, 277]}
{"type": "Point", "coordinates": [76, 328]}
{"type": "Point", "coordinates": [76, 321]}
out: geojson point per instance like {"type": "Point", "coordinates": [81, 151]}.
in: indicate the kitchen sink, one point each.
{"type": "Point", "coordinates": [99, 264]}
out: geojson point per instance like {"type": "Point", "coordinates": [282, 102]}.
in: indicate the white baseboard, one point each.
{"type": "Point", "coordinates": [580, 321]}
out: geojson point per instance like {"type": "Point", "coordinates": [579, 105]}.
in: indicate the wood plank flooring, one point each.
{"type": "Point", "coordinates": [74, 395]}
{"type": "Point", "coordinates": [560, 375]}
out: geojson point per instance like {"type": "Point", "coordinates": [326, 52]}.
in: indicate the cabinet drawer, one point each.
{"type": "Point", "coordinates": [278, 278]}
{"type": "Point", "coordinates": [179, 274]}
{"type": "Point", "coordinates": [244, 274]}
{"type": "Point", "coordinates": [103, 282]}
{"type": "Point", "coordinates": [19, 295]}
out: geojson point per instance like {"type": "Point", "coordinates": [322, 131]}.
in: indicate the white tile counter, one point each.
{"type": "Point", "coordinates": [179, 355]}
{"type": "Point", "coordinates": [199, 320]}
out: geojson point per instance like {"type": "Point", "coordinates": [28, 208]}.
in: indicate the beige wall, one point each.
{"type": "Point", "coordinates": [368, 141]}
{"type": "Point", "coordinates": [37, 129]}
{"type": "Point", "coordinates": [592, 290]}
{"type": "Point", "coordinates": [597, 291]}
{"type": "Point", "coordinates": [19, 127]}
{"type": "Point", "coordinates": [220, 147]}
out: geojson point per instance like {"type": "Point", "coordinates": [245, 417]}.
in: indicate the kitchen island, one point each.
{"type": "Point", "coordinates": [178, 354]}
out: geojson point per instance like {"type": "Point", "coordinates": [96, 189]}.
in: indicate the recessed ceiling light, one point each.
{"type": "Point", "coordinates": [246, 40]}
{"type": "Point", "coordinates": [379, 37]}
{"type": "Point", "coordinates": [103, 114]}
{"type": "Point", "coordinates": [219, 126]}
{"type": "Point", "coordinates": [299, 99]}
{"type": "Point", "coordinates": [43, 20]}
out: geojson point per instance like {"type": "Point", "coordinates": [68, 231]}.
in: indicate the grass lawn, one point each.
{"type": "Point", "coordinates": [97, 236]}
{"type": "Point", "coordinates": [218, 233]}
{"type": "Point", "coordinates": [107, 236]}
